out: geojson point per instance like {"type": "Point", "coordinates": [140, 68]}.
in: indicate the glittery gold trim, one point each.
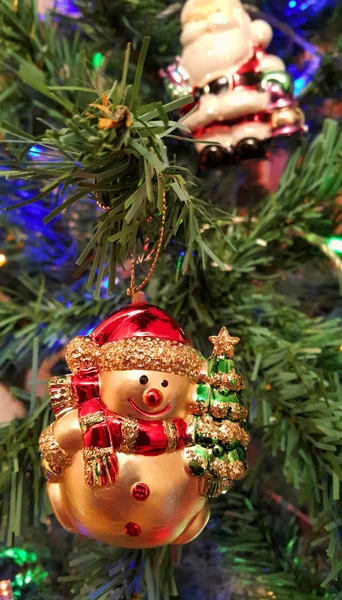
{"type": "Point", "coordinates": [237, 412]}
{"type": "Point", "coordinates": [231, 381]}
{"type": "Point", "coordinates": [234, 411]}
{"type": "Point", "coordinates": [130, 432]}
{"type": "Point", "coordinates": [57, 459]}
{"type": "Point", "coordinates": [170, 431]}
{"type": "Point", "coordinates": [224, 343]}
{"type": "Point", "coordinates": [153, 354]}
{"type": "Point", "coordinates": [287, 115]}
{"type": "Point", "coordinates": [189, 455]}
{"type": "Point", "coordinates": [212, 488]}
{"type": "Point", "coordinates": [236, 470]}
{"type": "Point", "coordinates": [92, 457]}
{"type": "Point", "coordinates": [225, 432]}
{"type": "Point", "coordinates": [89, 420]}
{"type": "Point", "coordinates": [197, 408]}
{"type": "Point", "coordinates": [61, 393]}
{"type": "Point", "coordinates": [231, 470]}
{"type": "Point", "coordinates": [219, 468]}
{"type": "Point", "coordinates": [219, 409]}
{"type": "Point", "coordinates": [82, 353]}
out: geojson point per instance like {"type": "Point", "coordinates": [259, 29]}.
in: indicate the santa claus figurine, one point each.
{"type": "Point", "coordinates": [144, 434]}
{"type": "Point", "coordinates": [243, 96]}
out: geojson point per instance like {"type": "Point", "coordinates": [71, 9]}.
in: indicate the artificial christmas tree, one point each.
{"type": "Point", "coordinates": [87, 140]}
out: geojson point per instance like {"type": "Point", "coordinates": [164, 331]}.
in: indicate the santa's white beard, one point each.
{"type": "Point", "coordinates": [214, 54]}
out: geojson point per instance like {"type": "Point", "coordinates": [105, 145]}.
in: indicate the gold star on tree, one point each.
{"type": "Point", "coordinates": [224, 343]}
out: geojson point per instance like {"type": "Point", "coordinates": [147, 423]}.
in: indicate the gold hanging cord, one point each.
{"type": "Point", "coordinates": [132, 290]}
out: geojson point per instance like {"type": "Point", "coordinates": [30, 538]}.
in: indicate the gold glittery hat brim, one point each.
{"type": "Point", "coordinates": [81, 354]}
{"type": "Point", "coordinates": [153, 354]}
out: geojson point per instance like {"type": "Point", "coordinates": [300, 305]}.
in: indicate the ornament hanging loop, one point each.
{"type": "Point", "coordinates": [135, 292]}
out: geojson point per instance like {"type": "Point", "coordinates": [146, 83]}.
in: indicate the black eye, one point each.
{"type": "Point", "coordinates": [164, 383]}
{"type": "Point", "coordinates": [143, 379]}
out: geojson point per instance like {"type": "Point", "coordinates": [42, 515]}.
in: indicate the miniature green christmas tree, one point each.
{"type": "Point", "coordinates": [219, 457]}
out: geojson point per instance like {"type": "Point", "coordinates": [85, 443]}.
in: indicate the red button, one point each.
{"type": "Point", "coordinates": [140, 492]}
{"type": "Point", "coordinates": [132, 529]}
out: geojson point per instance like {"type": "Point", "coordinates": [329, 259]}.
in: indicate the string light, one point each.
{"type": "Point", "coordinates": [6, 590]}
{"type": "Point", "coordinates": [35, 151]}
{"type": "Point", "coordinates": [48, 246]}
{"type": "Point", "coordinates": [29, 576]}
{"type": "Point", "coordinates": [63, 7]}
{"type": "Point", "coordinates": [179, 261]}
{"type": "Point", "coordinates": [303, 76]}
{"type": "Point", "coordinates": [67, 8]}
{"type": "Point", "coordinates": [335, 244]}
{"type": "Point", "coordinates": [298, 12]}
{"type": "Point", "coordinates": [98, 60]}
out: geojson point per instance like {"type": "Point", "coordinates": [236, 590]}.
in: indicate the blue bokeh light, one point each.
{"type": "Point", "coordinates": [66, 7]}
{"type": "Point", "coordinates": [46, 247]}
{"type": "Point", "coordinates": [35, 151]}
{"type": "Point", "coordinates": [299, 85]}
{"type": "Point", "coordinates": [299, 13]}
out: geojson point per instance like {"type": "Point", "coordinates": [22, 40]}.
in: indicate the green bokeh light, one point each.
{"type": "Point", "coordinates": [30, 574]}
{"type": "Point", "coordinates": [18, 555]}
{"type": "Point", "coordinates": [335, 244]}
{"type": "Point", "coordinates": [98, 60]}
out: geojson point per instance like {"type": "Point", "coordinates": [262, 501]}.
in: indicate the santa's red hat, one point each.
{"type": "Point", "coordinates": [139, 336]}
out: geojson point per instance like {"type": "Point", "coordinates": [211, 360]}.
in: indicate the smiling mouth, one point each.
{"type": "Point", "coordinates": [148, 413]}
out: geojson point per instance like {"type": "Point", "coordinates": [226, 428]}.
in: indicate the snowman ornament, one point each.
{"type": "Point", "coordinates": [243, 96]}
{"type": "Point", "coordinates": [144, 431]}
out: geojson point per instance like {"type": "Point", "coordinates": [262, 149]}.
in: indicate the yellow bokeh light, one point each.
{"type": "Point", "coordinates": [6, 590]}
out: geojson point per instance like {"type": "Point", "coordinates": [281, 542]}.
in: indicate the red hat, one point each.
{"type": "Point", "coordinates": [139, 336]}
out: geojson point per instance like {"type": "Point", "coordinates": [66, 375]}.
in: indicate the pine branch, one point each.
{"type": "Point", "coordinates": [293, 390]}
{"type": "Point", "coordinates": [55, 56]}
{"type": "Point", "coordinates": [113, 153]}
{"type": "Point", "coordinates": [293, 360]}
{"type": "Point", "coordinates": [327, 79]}
{"type": "Point", "coordinates": [21, 482]}
{"type": "Point", "coordinates": [104, 21]}
{"type": "Point", "coordinates": [246, 534]}
{"type": "Point", "coordinates": [31, 311]}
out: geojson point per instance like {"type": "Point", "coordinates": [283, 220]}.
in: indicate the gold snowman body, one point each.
{"type": "Point", "coordinates": [173, 513]}
{"type": "Point", "coordinates": [127, 458]}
